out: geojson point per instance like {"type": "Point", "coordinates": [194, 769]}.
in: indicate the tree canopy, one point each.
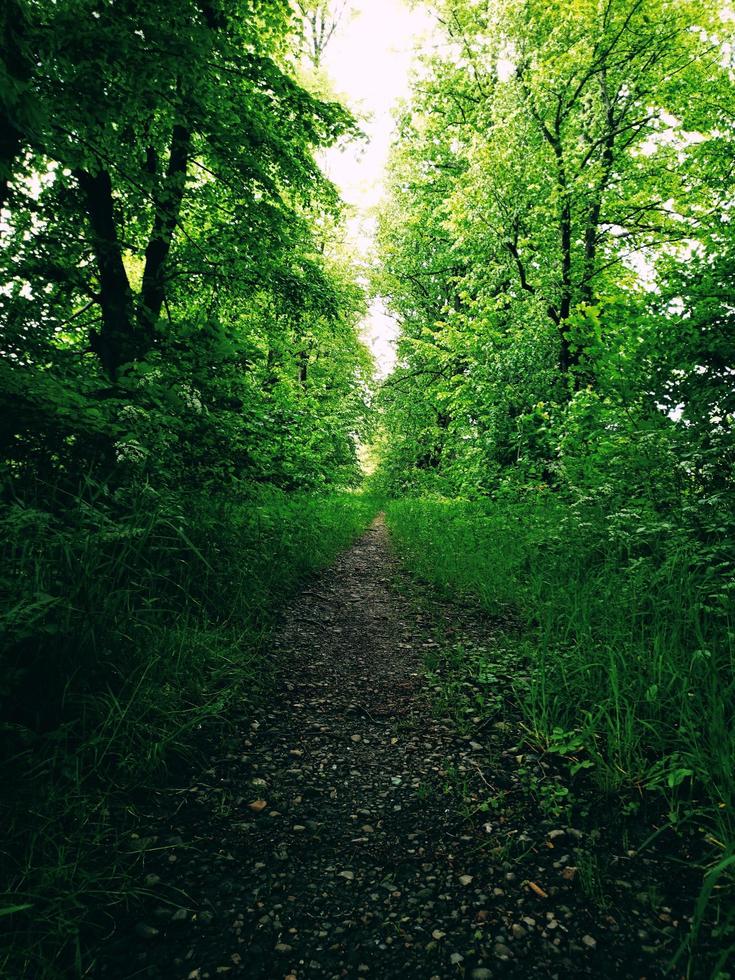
{"type": "Point", "coordinates": [560, 197]}
{"type": "Point", "coordinates": [172, 295]}
{"type": "Point", "coordinates": [184, 397]}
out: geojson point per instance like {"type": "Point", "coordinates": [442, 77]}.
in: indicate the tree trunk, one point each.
{"type": "Point", "coordinates": [165, 220]}
{"type": "Point", "coordinates": [17, 66]}
{"type": "Point", "coordinates": [595, 209]}
{"type": "Point", "coordinates": [567, 357]}
{"type": "Point", "coordinates": [117, 343]}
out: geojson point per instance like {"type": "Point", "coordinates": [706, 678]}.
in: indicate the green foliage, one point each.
{"type": "Point", "coordinates": [182, 394]}
{"type": "Point", "coordinates": [183, 389]}
{"type": "Point", "coordinates": [557, 247]}
{"type": "Point", "coordinates": [628, 634]}
{"type": "Point", "coordinates": [631, 634]}
{"type": "Point", "coordinates": [170, 288]}
{"type": "Point", "coordinates": [131, 621]}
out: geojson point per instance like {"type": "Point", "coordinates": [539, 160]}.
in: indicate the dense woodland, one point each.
{"type": "Point", "coordinates": [185, 393]}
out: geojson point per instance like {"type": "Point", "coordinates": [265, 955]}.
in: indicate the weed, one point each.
{"type": "Point", "coordinates": [591, 876]}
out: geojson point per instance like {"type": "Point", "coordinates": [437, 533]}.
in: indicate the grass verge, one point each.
{"type": "Point", "coordinates": [130, 621]}
{"type": "Point", "coordinates": [626, 627]}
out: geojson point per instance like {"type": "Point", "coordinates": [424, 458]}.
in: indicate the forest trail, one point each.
{"type": "Point", "coordinates": [322, 842]}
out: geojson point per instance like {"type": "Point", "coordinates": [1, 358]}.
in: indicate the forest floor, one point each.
{"type": "Point", "coordinates": [346, 829]}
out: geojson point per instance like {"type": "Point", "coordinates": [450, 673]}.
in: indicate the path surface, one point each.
{"type": "Point", "coordinates": [323, 841]}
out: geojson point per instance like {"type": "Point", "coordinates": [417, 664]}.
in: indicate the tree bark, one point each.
{"type": "Point", "coordinates": [17, 65]}
{"type": "Point", "coordinates": [168, 208]}
{"type": "Point", "coordinates": [595, 209]}
{"type": "Point", "coordinates": [118, 342]}
{"type": "Point", "coordinates": [567, 357]}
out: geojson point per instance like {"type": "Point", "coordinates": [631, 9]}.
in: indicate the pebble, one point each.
{"type": "Point", "coordinates": [262, 894]}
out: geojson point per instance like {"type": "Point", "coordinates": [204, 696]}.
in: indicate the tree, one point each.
{"type": "Point", "coordinates": [321, 20]}
{"type": "Point", "coordinates": [165, 214]}
{"type": "Point", "coordinates": [541, 175]}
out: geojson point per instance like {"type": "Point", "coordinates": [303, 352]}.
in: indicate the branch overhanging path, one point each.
{"type": "Point", "coordinates": [325, 839]}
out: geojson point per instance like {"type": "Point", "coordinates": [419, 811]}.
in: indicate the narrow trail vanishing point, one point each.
{"type": "Point", "coordinates": [323, 841]}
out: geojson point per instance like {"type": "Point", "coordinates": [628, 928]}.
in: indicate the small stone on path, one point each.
{"type": "Point", "coordinates": [445, 816]}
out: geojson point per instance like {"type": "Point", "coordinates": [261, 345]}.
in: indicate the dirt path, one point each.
{"type": "Point", "coordinates": [325, 841]}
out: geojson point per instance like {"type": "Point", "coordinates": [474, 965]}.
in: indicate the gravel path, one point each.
{"type": "Point", "coordinates": [329, 837]}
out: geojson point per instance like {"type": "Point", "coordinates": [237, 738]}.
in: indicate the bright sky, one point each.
{"type": "Point", "coordinates": [369, 61]}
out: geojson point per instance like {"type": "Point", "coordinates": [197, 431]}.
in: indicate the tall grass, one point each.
{"type": "Point", "coordinates": [129, 619]}
{"type": "Point", "coordinates": [628, 634]}
{"type": "Point", "coordinates": [628, 626]}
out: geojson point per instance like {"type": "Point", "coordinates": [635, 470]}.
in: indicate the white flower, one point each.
{"type": "Point", "coordinates": [191, 396]}
{"type": "Point", "coordinates": [129, 451]}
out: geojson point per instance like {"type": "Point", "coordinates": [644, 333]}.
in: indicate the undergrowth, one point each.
{"type": "Point", "coordinates": [130, 619]}
{"type": "Point", "coordinates": [627, 625]}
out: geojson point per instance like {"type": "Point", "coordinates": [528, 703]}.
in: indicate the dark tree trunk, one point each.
{"type": "Point", "coordinates": [10, 145]}
{"type": "Point", "coordinates": [567, 357]}
{"type": "Point", "coordinates": [117, 343]}
{"type": "Point", "coordinates": [166, 218]}
{"type": "Point", "coordinates": [592, 228]}
{"type": "Point", "coordinates": [17, 64]}
{"type": "Point", "coordinates": [303, 359]}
